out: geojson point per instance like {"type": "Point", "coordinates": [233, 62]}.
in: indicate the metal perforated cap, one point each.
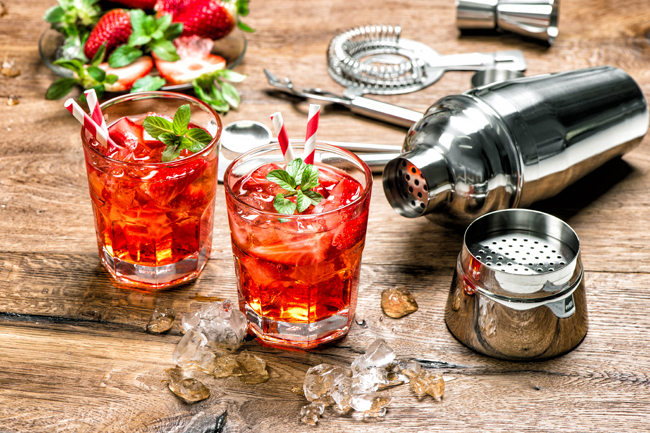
{"type": "Point", "coordinates": [517, 252]}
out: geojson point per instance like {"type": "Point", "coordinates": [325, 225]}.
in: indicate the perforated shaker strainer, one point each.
{"type": "Point", "coordinates": [518, 290]}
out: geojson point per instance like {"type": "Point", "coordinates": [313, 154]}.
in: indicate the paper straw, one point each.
{"type": "Point", "coordinates": [312, 129]}
{"type": "Point", "coordinates": [88, 123]}
{"type": "Point", "coordinates": [95, 112]}
{"type": "Point", "coordinates": [283, 139]}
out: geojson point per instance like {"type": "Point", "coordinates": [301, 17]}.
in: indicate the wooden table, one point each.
{"type": "Point", "coordinates": [74, 355]}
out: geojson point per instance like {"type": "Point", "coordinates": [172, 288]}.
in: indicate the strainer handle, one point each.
{"type": "Point", "coordinates": [390, 113]}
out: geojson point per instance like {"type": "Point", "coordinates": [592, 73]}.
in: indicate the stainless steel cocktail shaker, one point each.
{"type": "Point", "coordinates": [509, 144]}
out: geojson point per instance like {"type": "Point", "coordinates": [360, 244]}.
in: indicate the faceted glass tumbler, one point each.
{"type": "Point", "coordinates": [298, 275]}
{"type": "Point", "coordinates": [154, 220]}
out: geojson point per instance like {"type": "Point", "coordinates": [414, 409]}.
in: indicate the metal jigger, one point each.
{"type": "Point", "coordinates": [509, 144]}
{"type": "Point", "coordinates": [532, 18]}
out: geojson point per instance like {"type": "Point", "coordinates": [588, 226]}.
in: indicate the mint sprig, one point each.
{"type": "Point", "coordinates": [214, 89]}
{"type": "Point", "coordinates": [175, 134]}
{"type": "Point", "coordinates": [88, 77]}
{"type": "Point", "coordinates": [73, 18]}
{"type": "Point", "coordinates": [149, 35]}
{"type": "Point", "coordinates": [298, 179]}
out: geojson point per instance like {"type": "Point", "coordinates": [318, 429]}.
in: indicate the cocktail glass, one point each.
{"type": "Point", "coordinates": [154, 220]}
{"type": "Point", "coordinates": [298, 275]}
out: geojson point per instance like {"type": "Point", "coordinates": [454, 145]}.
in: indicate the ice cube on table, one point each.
{"type": "Point", "coordinates": [428, 383]}
{"type": "Point", "coordinates": [161, 320]}
{"type": "Point", "coordinates": [192, 352]}
{"type": "Point", "coordinates": [378, 354]}
{"type": "Point", "coordinates": [252, 369]}
{"type": "Point", "coordinates": [368, 380]}
{"type": "Point", "coordinates": [188, 389]}
{"type": "Point", "coordinates": [226, 366]}
{"type": "Point", "coordinates": [372, 401]}
{"type": "Point", "coordinates": [223, 325]}
{"type": "Point", "coordinates": [310, 413]}
{"type": "Point", "coordinates": [398, 302]}
{"type": "Point", "coordinates": [321, 380]}
{"type": "Point", "coordinates": [409, 368]}
{"type": "Point", "coordinates": [341, 394]}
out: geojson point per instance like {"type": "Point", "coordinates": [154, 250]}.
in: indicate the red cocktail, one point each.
{"type": "Point", "coordinates": [298, 275]}
{"type": "Point", "coordinates": [153, 219]}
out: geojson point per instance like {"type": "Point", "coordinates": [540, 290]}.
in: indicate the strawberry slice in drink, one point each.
{"type": "Point", "coordinates": [168, 183]}
{"type": "Point", "coordinates": [195, 60]}
{"type": "Point", "coordinates": [297, 250]}
{"type": "Point", "coordinates": [130, 137]}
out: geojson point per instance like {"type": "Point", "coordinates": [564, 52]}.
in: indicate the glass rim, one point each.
{"type": "Point", "coordinates": [320, 145]}
{"type": "Point", "coordinates": [152, 95]}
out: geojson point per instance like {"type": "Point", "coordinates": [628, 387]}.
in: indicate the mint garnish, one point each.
{"type": "Point", "coordinates": [297, 174]}
{"type": "Point", "coordinates": [89, 77]}
{"type": "Point", "coordinates": [212, 88]}
{"type": "Point", "coordinates": [150, 34]}
{"type": "Point", "coordinates": [175, 134]}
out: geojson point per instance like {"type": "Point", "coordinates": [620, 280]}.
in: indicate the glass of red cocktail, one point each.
{"type": "Point", "coordinates": [153, 219]}
{"type": "Point", "coordinates": [298, 274]}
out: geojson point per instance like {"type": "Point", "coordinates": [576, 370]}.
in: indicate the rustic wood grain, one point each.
{"type": "Point", "coordinates": [74, 356]}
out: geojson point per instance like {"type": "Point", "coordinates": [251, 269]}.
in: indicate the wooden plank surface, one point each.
{"type": "Point", "coordinates": [74, 356]}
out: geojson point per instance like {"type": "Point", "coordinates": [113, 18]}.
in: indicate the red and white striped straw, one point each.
{"type": "Point", "coordinates": [312, 129]}
{"type": "Point", "coordinates": [283, 139]}
{"type": "Point", "coordinates": [88, 123]}
{"type": "Point", "coordinates": [95, 112]}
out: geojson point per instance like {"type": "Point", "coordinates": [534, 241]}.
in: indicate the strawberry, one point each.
{"type": "Point", "coordinates": [195, 61]}
{"type": "Point", "coordinates": [173, 7]}
{"type": "Point", "coordinates": [168, 183]}
{"type": "Point", "coordinates": [137, 4]}
{"type": "Point", "coordinates": [114, 28]}
{"type": "Point", "coordinates": [127, 75]}
{"type": "Point", "coordinates": [211, 19]}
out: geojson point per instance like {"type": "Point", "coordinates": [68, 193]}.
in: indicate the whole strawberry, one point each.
{"type": "Point", "coordinates": [114, 28]}
{"type": "Point", "coordinates": [137, 4]}
{"type": "Point", "coordinates": [211, 19]}
{"type": "Point", "coordinates": [173, 7]}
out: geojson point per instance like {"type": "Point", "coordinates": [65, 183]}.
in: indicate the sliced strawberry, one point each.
{"type": "Point", "coordinates": [345, 192]}
{"type": "Point", "coordinates": [350, 233]}
{"type": "Point", "coordinates": [128, 74]}
{"type": "Point", "coordinates": [211, 19]}
{"type": "Point", "coordinates": [195, 60]}
{"type": "Point", "coordinates": [168, 183]}
{"type": "Point", "coordinates": [137, 4]}
{"type": "Point", "coordinates": [114, 28]}
{"type": "Point", "coordinates": [130, 137]}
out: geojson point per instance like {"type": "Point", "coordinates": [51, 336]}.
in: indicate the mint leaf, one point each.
{"type": "Point", "coordinates": [309, 178]}
{"type": "Point", "coordinates": [173, 31]}
{"type": "Point", "coordinates": [283, 206]}
{"type": "Point", "coordinates": [137, 39]}
{"type": "Point", "coordinates": [182, 119]}
{"type": "Point", "coordinates": [169, 139]}
{"type": "Point", "coordinates": [313, 196]}
{"type": "Point", "coordinates": [60, 88]}
{"type": "Point", "coordinates": [302, 202]}
{"type": "Point", "coordinates": [230, 94]}
{"type": "Point", "coordinates": [165, 50]}
{"type": "Point", "coordinates": [148, 83]}
{"type": "Point", "coordinates": [199, 136]}
{"type": "Point", "coordinates": [99, 55]}
{"type": "Point", "coordinates": [171, 153]}
{"type": "Point", "coordinates": [111, 79]}
{"type": "Point", "coordinates": [282, 178]}
{"type": "Point", "coordinates": [54, 14]}
{"type": "Point", "coordinates": [97, 73]}
{"type": "Point", "coordinates": [75, 65]}
{"type": "Point", "coordinates": [295, 169]}
{"type": "Point", "coordinates": [137, 21]}
{"type": "Point", "coordinates": [245, 27]}
{"type": "Point", "coordinates": [230, 75]}
{"type": "Point", "coordinates": [156, 126]}
{"type": "Point", "coordinates": [123, 56]}
{"type": "Point", "coordinates": [163, 23]}
{"type": "Point", "coordinates": [192, 146]}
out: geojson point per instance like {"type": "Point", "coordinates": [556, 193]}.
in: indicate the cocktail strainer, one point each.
{"type": "Point", "coordinates": [375, 59]}
{"type": "Point", "coordinates": [518, 289]}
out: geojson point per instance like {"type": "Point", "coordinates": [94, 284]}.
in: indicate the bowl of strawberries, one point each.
{"type": "Point", "coordinates": [144, 45]}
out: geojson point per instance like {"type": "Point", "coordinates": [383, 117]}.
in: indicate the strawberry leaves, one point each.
{"type": "Point", "coordinates": [175, 134]}
{"type": "Point", "coordinates": [298, 180]}
{"type": "Point", "coordinates": [214, 89]}
{"type": "Point", "coordinates": [150, 34]}
{"type": "Point", "coordinates": [73, 18]}
{"type": "Point", "coordinates": [88, 77]}
{"type": "Point", "coordinates": [243, 10]}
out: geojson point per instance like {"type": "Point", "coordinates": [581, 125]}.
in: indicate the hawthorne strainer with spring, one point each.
{"type": "Point", "coordinates": [377, 60]}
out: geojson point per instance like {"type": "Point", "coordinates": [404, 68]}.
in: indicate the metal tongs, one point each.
{"type": "Point", "coordinates": [356, 103]}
